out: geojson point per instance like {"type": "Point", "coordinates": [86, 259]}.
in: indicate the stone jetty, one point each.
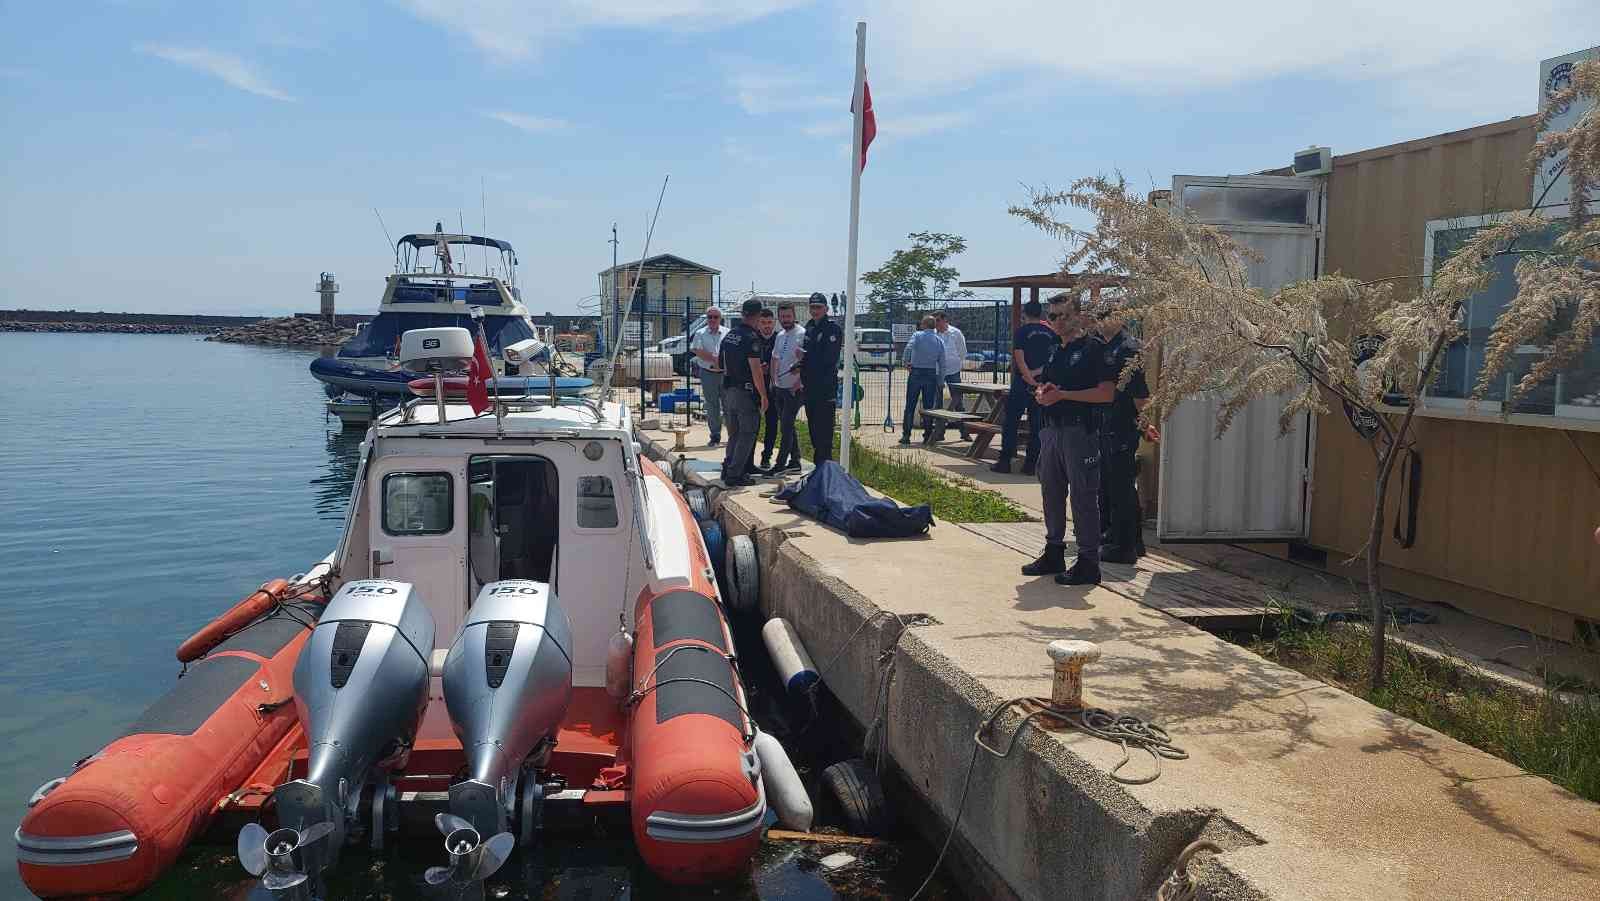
{"type": "Point", "coordinates": [288, 331]}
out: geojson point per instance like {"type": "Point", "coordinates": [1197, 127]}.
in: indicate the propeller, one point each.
{"type": "Point", "coordinates": [472, 859]}
{"type": "Point", "coordinates": [275, 857]}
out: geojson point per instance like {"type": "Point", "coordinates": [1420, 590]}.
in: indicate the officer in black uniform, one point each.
{"type": "Point", "coordinates": [819, 376]}
{"type": "Point", "coordinates": [744, 393]}
{"type": "Point", "coordinates": [1123, 536]}
{"type": "Point", "coordinates": [1074, 388]}
{"type": "Point", "coordinates": [1031, 346]}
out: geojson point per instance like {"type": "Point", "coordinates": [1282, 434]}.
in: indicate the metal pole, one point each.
{"type": "Point", "coordinates": [858, 106]}
{"type": "Point", "coordinates": [616, 295]}
{"type": "Point", "coordinates": [996, 368]}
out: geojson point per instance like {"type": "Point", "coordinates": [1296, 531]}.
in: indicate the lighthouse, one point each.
{"type": "Point", "coordinates": [327, 286]}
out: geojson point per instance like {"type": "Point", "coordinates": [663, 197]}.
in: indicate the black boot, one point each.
{"type": "Point", "coordinates": [1001, 466]}
{"type": "Point", "coordinates": [1081, 573]}
{"type": "Point", "coordinates": [1116, 553]}
{"type": "Point", "coordinates": [1053, 560]}
{"type": "Point", "coordinates": [1029, 467]}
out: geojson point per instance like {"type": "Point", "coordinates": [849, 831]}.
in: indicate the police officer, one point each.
{"type": "Point", "coordinates": [1075, 386]}
{"type": "Point", "coordinates": [744, 393]}
{"type": "Point", "coordinates": [1123, 537]}
{"type": "Point", "coordinates": [1031, 345]}
{"type": "Point", "coordinates": [819, 376]}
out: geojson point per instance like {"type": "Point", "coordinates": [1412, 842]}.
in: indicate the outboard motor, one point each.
{"type": "Point", "coordinates": [507, 683]}
{"type": "Point", "coordinates": [360, 686]}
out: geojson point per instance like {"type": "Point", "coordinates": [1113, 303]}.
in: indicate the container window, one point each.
{"type": "Point", "coordinates": [1234, 203]}
{"type": "Point", "coordinates": [597, 503]}
{"type": "Point", "coordinates": [417, 503]}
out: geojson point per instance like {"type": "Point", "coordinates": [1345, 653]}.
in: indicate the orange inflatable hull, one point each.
{"type": "Point", "coordinates": [126, 813]}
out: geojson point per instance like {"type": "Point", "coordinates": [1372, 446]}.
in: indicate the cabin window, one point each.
{"type": "Point", "coordinates": [417, 503]}
{"type": "Point", "coordinates": [597, 503]}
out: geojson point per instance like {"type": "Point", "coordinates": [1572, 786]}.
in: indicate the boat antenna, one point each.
{"type": "Point", "coordinates": [483, 204]}
{"type": "Point", "coordinates": [611, 365]}
{"type": "Point", "coordinates": [386, 236]}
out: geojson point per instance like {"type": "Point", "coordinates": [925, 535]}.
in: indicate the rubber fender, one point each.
{"type": "Point", "coordinates": [789, 655]}
{"type": "Point", "coordinates": [785, 792]}
{"type": "Point", "coordinates": [855, 788]}
{"type": "Point", "coordinates": [698, 505]}
{"type": "Point", "coordinates": [240, 615]}
{"type": "Point", "coordinates": [716, 545]}
{"type": "Point", "coordinates": [740, 566]}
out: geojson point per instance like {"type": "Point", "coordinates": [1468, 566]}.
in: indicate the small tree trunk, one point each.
{"type": "Point", "coordinates": [1380, 622]}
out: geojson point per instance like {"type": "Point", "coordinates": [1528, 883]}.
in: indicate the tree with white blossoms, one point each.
{"type": "Point", "coordinates": [1186, 283]}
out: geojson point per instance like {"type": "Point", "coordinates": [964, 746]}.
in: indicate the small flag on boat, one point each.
{"type": "Point", "coordinates": [479, 374]}
{"type": "Point", "coordinates": [869, 122]}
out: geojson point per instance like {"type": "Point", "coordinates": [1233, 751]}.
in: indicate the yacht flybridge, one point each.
{"type": "Point", "coordinates": [439, 280]}
{"type": "Point", "coordinates": [520, 624]}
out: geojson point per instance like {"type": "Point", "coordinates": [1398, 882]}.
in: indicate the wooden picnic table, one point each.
{"type": "Point", "coordinates": [989, 403]}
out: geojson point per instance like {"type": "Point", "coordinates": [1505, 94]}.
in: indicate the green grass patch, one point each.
{"type": "Point", "coordinates": [902, 477]}
{"type": "Point", "coordinates": [1546, 734]}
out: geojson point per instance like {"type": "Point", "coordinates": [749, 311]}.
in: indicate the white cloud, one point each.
{"type": "Point", "coordinates": [514, 30]}
{"type": "Point", "coordinates": [229, 68]}
{"type": "Point", "coordinates": [531, 124]}
{"type": "Point", "coordinates": [1425, 48]}
{"type": "Point", "coordinates": [760, 89]}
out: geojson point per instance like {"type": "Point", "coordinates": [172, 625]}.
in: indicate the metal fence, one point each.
{"type": "Point", "coordinates": [881, 380]}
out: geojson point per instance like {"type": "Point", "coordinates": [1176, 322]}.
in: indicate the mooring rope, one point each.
{"type": "Point", "coordinates": [1181, 885]}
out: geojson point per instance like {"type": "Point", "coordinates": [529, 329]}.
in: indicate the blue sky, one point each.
{"type": "Point", "coordinates": [214, 157]}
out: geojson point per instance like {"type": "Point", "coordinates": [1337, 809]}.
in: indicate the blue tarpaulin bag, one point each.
{"type": "Point", "coordinates": [835, 497]}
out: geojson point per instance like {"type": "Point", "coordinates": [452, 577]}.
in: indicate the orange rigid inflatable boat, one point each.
{"type": "Point", "coordinates": [456, 664]}
{"type": "Point", "coordinates": [127, 812]}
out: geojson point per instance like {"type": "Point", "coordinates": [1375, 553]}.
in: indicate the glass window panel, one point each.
{"type": "Point", "coordinates": [416, 503]}
{"type": "Point", "coordinates": [1239, 203]}
{"type": "Point", "coordinates": [597, 503]}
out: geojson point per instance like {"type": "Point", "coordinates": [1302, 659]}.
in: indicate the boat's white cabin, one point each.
{"type": "Point", "coordinates": [552, 493]}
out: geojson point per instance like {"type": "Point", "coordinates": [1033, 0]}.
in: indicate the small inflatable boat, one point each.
{"type": "Point", "coordinates": [365, 381]}
{"type": "Point", "coordinates": [519, 628]}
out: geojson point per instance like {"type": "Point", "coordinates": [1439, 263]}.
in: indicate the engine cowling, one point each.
{"type": "Point", "coordinates": [361, 686]}
{"type": "Point", "coordinates": [507, 684]}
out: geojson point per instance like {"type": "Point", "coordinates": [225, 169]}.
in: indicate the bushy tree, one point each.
{"type": "Point", "coordinates": [1187, 284]}
{"type": "Point", "coordinates": [919, 271]}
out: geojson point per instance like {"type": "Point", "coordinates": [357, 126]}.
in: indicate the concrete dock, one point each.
{"type": "Point", "coordinates": [1311, 792]}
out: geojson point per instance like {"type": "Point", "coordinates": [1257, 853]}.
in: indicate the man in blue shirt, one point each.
{"type": "Point", "coordinates": [1031, 345]}
{"type": "Point", "coordinates": [924, 359]}
{"type": "Point", "coordinates": [1074, 390]}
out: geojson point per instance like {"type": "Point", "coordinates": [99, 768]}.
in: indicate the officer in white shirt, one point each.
{"type": "Point", "coordinates": [955, 354]}
{"type": "Point", "coordinates": [787, 344]}
{"type": "Point", "coordinates": [704, 344]}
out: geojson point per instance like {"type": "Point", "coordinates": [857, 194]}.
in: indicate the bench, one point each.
{"type": "Point", "coordinates": [985, 434]}
{"type": "Point", "coordinates": [939, 420]}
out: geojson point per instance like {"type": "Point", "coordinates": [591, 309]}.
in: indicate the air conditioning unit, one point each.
{"type": "Point", "coordinates": [1313, 161]}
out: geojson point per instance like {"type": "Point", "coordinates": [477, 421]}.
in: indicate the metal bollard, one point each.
{"type": "Point", "coordinates": [1069, 657]}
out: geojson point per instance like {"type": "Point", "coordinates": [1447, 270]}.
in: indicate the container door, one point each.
{"type": "Point", "coordinates": [1251, 484]}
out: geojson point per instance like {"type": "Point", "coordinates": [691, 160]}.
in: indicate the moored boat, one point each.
{"type": "Point", "coordinates": [455, 661]}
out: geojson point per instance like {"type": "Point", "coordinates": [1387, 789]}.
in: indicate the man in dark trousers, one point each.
{"type": "Point", "coordinates": [1072, 394]}
{"type": "Point", "coordinates": [1031, 345]}
{"type": "Point", "coordinates": [744, 393]}
{"type": "Point", "coordinates": [819, 376]}
{"type": "Point", "coordinates": [1119, 443]}
{"type": "Point", "coordinates": [766, 326]}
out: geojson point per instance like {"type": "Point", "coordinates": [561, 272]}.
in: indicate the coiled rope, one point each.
{"type": "Point", "coordinates": [1181, 885]}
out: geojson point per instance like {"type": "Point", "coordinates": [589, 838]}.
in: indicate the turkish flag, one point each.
{"type": "Point", "coordinates": [869, 122]}
{"type": "Point", "coordinates": [478, 376]}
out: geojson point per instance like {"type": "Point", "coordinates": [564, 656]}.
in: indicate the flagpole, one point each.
{"type": "Point", "coordinates": [847, 392]}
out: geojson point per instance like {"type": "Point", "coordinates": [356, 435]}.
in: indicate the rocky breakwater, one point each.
{"type": "Point", "coordinates": [288, 331]}
{"type": "Point", "coordinates": [126, 328]}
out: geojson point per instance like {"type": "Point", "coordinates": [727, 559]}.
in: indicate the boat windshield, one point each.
{"type": "Point", "coordinates": [380, 336]}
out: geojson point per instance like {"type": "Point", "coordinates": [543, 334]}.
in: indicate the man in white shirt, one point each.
{"type": "Point", "coordinates": [787, 343]}
{"type": "Point", "coordinates": [955, 355]}
{"type": "Point", "coordinates": [704, 344]}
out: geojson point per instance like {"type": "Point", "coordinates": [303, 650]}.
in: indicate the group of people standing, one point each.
{"type": "Point", "coordinates": [933, 359]}
{"type": "Point", "coordinates": [1083, 433]}
{"type": "Point", "coordinates": [765, 369]}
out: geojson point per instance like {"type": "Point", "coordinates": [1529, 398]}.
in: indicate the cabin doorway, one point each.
{"type": "Point", "coordinates": [513, 519]}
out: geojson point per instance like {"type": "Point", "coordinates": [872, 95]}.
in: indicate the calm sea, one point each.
{"type": "Point", "coordinates": [149, 482]}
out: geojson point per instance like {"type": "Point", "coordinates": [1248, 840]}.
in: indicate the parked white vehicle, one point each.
{"type": "Point", "coordinates": [874, 348]}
